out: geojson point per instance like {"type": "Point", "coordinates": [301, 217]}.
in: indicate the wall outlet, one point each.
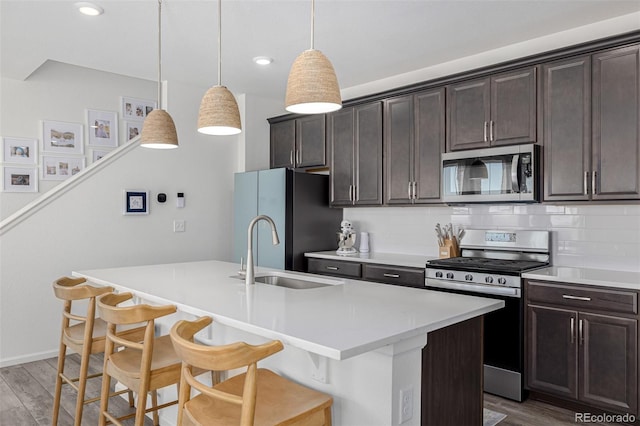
{"type": "Point", "coordinates": [406, 404]}
{"type": "Point", "coordinates": [178, 225]}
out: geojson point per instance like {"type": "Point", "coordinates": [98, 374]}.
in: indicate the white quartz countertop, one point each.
{"type": "Point", "coordinates": [338, 321]}
{"type": "Point", "coordinates": [395, 259]}
{"type": "Point", "coordinates": [599, 277]}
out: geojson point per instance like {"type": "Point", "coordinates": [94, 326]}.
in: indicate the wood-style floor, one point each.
{"type": "Point", "coordinates": [26, 394]}
{"type": "Point", "coordinates": [26, 399]}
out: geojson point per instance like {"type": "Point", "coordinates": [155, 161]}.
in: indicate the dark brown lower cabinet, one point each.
{"type": "Point", "coordinates": [581, 356]}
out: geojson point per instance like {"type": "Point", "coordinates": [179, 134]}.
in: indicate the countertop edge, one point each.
{"type": "Point", "coordinates": [587, 276]}
{"type": "Point", "coordinates": [378, 258]}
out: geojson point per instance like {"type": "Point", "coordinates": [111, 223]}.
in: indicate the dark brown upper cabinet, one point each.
{"type": "Point", "coordinates": [567, 128]}
{"type": "Point", "coordinates": [414, 138]}
{"type": "Point", "coordinates": [616, 121]}
{"type": "Point", "coordinates": [492, 111]}
{"type": "Point", "coordinates": [591, 119]}
{"type": "Point", "coordinates": [355, 135]}
{"type": "Point", "coordinates": [299, 143]}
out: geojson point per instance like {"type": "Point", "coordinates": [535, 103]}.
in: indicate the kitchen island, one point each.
{"type": "Point", "coordinates": [359, 341]}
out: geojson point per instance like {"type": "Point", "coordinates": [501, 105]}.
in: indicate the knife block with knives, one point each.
{"type": "Point", "coordinates": [448, 243]}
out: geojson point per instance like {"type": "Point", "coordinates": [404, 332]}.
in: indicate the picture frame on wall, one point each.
{"type": "Point", "coordinates": [134, 129]}
{"type": "Point", "coordinates": [137, 109]}
{"type": "Point", "coordinates": [19, 179]}
{"type": "Point", "coordinates": [135, 202]}
{"type": "Point", "coordinates": [103, 128]}
{"type": "Point", "coordinates": [20, 150]}
{"type": "Point", "coordinates": [62, 138]}
{"type": "Point", "coordinates": [61, 168]}
{"type": "Point", "coordinates": [97, 154]}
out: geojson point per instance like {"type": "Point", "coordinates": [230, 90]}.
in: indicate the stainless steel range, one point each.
{"type": "Point", "coordinates": [491, 265]}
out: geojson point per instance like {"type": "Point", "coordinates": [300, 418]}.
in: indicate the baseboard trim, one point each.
{"type": "Point", "coordinates": [38, 356]}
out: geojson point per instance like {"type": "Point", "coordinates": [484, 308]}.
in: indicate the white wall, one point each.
{"type": "Point", "coordinates": [84, 228]}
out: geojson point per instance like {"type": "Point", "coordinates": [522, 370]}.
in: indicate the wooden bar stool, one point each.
{"type": "Point", "coordinates": [257, 397]}
{"type": "Point", "coordinates": [144, 365]}
{"type": "Point", "coordinates": [85, 336]}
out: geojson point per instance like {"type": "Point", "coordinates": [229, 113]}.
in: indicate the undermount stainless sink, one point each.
{"type": "Point", "coordinates": [290, 282]}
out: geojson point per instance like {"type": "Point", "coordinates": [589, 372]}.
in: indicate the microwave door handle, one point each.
{"type": "Point", "coordinates": [515, 178]}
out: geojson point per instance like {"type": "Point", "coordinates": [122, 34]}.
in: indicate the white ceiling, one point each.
{"type": "Point", "coordinates": [366, 40]}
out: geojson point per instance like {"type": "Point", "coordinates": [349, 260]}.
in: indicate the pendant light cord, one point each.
{"type": "Point", "coordinates": [313, 11]}
{"type": "Point", "coordinates": [219, 42]}
{"type": "Point", "coordinates": [160, 54]}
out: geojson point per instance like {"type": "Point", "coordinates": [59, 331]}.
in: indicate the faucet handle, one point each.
{"type": "Point", "coordinates": [243, 271]}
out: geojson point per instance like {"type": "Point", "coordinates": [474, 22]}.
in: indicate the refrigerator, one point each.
{"type": "Point", "coordinates": [297, 202]}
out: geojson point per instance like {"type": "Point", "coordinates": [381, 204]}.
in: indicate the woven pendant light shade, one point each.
{"type": "Point", "coordinates": [312, 87]}
{"type": "Point", "coordinates": [219, 114]}
{"type": "Point", "coordinates": [159, 131]}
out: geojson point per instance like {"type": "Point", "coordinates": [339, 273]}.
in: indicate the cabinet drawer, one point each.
{"type": "Point", "coordinates": [583, 298]}
{"type": "Point", "coordinates": [334, 267]}
{"type": "Point", "coordinates": [413, 277]}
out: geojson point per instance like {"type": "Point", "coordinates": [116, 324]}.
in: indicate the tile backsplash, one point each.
{"type": "Point", "coordinates": [589, 236]}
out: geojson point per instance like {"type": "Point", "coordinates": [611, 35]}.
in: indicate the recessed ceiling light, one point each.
{"type": "Point", "coordinates": [89, 8]}
{"type": "Point", "coordinates": [262, 60]}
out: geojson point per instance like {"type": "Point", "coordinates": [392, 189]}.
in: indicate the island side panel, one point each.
{"type": "Point", "coordinates": [452, 375]}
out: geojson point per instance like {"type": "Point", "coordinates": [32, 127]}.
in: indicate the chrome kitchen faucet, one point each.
{"type": "Point", "coordinates": [250, 275]}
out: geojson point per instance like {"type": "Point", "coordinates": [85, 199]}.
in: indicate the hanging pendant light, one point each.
{"type": "Point", "coordinates": [219, 114]}
{"type": "Point", "coordinates": [312, 87]}
{"type": "Point", "coordinates": [159, 130]}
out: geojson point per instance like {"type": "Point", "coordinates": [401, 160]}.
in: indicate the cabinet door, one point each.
{"type": "Point", "coordinates": [398, 147]}
{"type": "Point", "coordinates": [513, 107]}
{"type": "Point", "coordinates": [283, 143]}
{"type": "Point", "coordinates": [567, 129]}
{"type": "Point", "coordinates": [609, 360]}
{"type": "Point", "coordinates": [616, 121]}
{"type": "Point", "coordinates": [468, 109]}
{"type": "Point", "coordinates": [368, 170]}
{"type": "Point", "coordinates": [429, 144]}
{"type": "Point", "coordinates": [552, 358]}
{"type": "Point", "coordinates": [342, 140]}
{"type": "Point", "coordinates": [311, 141]}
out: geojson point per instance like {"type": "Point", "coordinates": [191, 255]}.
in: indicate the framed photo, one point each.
{"type": "Point", "coordinates": [136, 201]}
{"type": "Point", "coordinates": [103, 128]}
{"type": "Point", "coordinates": [137, 109]}
{"type": "Point", "coordinates": [98, 154]}
{"type": "Point", "coordinates": [62, 138]}
{"type": "Point", "coordinates": [134, 129]}
{"type": "Point", "coordinates": [20, 150]}
{"type": "Point", "coordinates": [19, 179]}
{"type": "Point", "coordinates": [61, 168]}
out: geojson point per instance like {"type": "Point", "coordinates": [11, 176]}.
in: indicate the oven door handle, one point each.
{"type": "Point", "coordinates": [474, 288]}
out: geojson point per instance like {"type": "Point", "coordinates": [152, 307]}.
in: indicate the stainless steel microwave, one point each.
{"type": "Point", "coordinates": [492, 175]}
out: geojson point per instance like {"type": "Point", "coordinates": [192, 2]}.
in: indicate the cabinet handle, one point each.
{"type": "Point", "coordinates": [573, 330]}
{"type": "Point", "coordinates": [580, 332]}
{"type": "Point", "coordinates": [485, 131]}
{"type": "Point", "coordinates": [291, 157]}
{"type": "Point", "coordinates": [491, 129]}
{"type": "Point", "coordinates": [332, 268]}
{"type": "Point", "coordinates": [415, 189]}
{"type": "Point", "coordinates": [409, 190]}
{"type": "Point", "coordinates": [353, 197]}
{"type": "Point", "coordinates": [585, 184]}
{"type": "Point", "coordinates": [594, 181]}
{"type": "Point", "coordinates": [351, 193]}
{"type": "Point", "coordinates": [568, 296]}
{"type": "Point", "coordinates": [298, 156]}
{"type": "Point", "coordinates": [391, 275]}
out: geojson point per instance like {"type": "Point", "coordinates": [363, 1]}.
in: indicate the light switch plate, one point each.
{"type": "Point", "coordinates": [178, 225]}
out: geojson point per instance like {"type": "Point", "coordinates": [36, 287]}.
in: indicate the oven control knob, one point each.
{"type": "Point", "coordinates": [450, 275]}
{"type": "Point", "coordinates": [502, 281]}
{"type": "Point", "coordinates": [488, 280]}
{"type": "Point", "coordinates": [468, 277]}
{"type": "Point", "coordinates": [438, 274]}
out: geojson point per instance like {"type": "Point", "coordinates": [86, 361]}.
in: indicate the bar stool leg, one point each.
{"type": "Point", "coordinates": [82, 382]}
{"type": "Point", "coordinates": [56, 399]}
{"type": "Point", "coordinates": [154, 401]}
